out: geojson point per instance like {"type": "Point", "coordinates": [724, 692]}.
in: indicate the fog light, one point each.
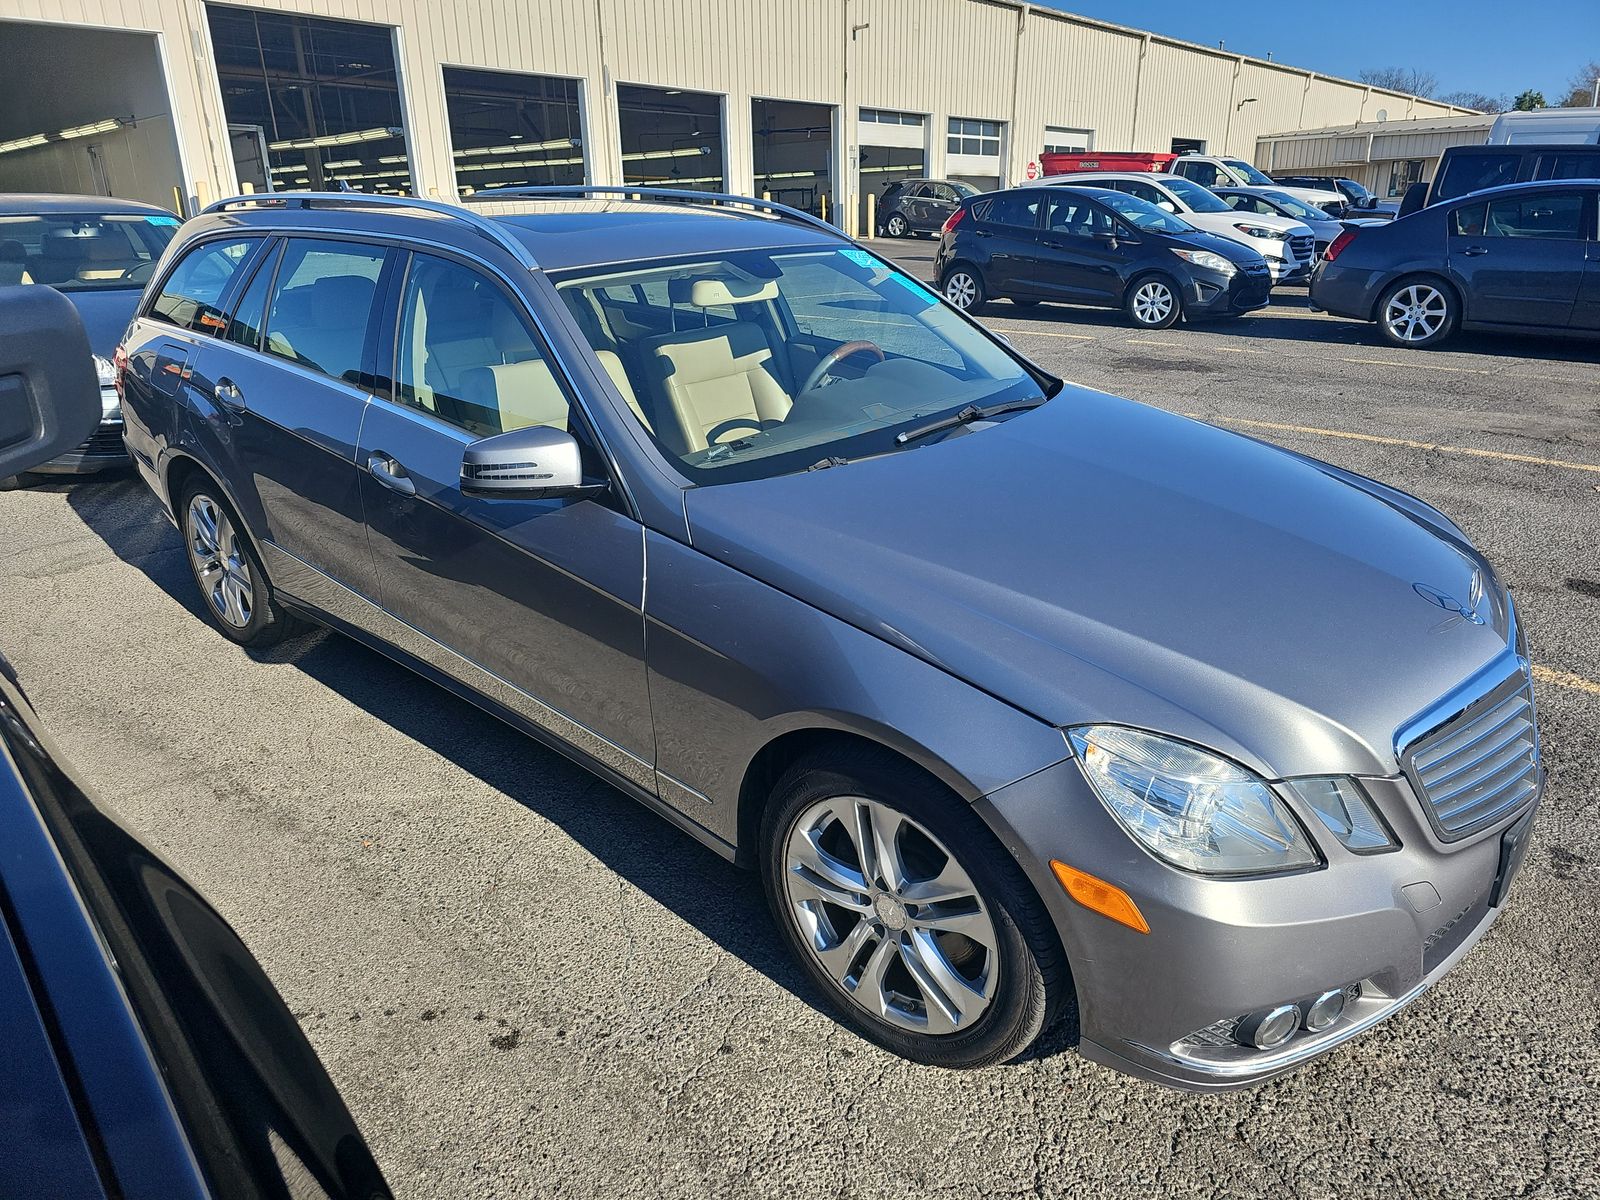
{"type": "Point", "coordinates": [1325, 1010]}
{"type": "Point", "coordinates": [1269, 1030]}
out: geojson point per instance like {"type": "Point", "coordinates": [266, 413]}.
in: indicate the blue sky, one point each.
{"type": "Point", "coordinates": [1489, 46]}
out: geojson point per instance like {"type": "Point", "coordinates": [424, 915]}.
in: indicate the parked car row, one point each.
{"type": "Point", "coordinates": [1524, 258]}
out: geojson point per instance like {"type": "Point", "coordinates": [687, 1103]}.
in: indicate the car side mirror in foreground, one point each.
{"type": "Point", "coordinates": [49, 392]}
{"type": "Point", "coordinates": [533, 463]}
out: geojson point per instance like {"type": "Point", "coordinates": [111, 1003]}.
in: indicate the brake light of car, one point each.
{"type": "Point", "coordinates": [953, 220]}
{"type": "Point", "coordinates": [1336, 247]}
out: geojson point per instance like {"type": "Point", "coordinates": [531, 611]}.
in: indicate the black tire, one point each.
{"type": "Point", "coordinates": [14, 483]}
{"type": "Point", "coordinates": [1426, 312]}
{"type": "Point", "coordinates": [1143, 304]}
{"type": "Point", "coordinates": [896, 226]}
{"type": "Point", "coordinates": [1031, 980]}
{"type": "Point", "coordinates": [266, 622]}
{"type": "Point", "coordinates": [963, 286]}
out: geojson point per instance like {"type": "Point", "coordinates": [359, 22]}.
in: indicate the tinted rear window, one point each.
{"type": "Point", "coordinates": [1011, 208]}
{"type": "Point", "coordinates": [1465, 173]}
{"type": "Point", "coordinates": [1573, 165]}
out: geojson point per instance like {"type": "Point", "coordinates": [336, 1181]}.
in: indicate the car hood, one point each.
{"type": "Point", "coordinates": [105, 314]}
{"type": "Point", "coordinates": [1101, 560]}
{"type": "Point", "coordinates": [1234, 252]}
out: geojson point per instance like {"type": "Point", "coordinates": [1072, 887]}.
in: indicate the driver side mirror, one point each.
{"type": "Point", "coordinates": [533, 463]}
{"type": "Point", "coordinates": [1166, 206]}
{"type": "Point", "coordinates": [49, 392]}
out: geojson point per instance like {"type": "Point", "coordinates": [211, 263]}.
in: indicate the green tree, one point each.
{"type": "Point", "coordinates": [1528, 101]}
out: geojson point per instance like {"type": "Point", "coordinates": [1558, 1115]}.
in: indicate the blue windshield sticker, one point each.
{"type": "Point", "coordinates": [915, 288]}
{"type": "Point", "coordinates": [860, 257]}
{"type": "Point", "coordinates": [162, 221]}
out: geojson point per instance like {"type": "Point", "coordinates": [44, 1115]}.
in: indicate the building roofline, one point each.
{"type": "Point", "coordinates": [1072, 18]}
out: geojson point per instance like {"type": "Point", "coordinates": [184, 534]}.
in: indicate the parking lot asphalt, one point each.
{"type": "Point", "coordinates": [526, 985]}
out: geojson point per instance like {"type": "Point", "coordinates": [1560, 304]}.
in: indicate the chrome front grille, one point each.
{"type": "Point", "coordinates": [1304, 247]}
{"type": "Point", "coordinates": [1481, 764]}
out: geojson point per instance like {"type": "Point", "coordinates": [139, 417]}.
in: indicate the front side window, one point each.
{"type": "Point", "coordinates": [1149, 193]}
{"type": "Point", "coordinates": [1074, 216]}
{"type": "Point", "coordinates": [466, 355]}
{"type": "Point", "coordinates": [1288, 206]}
{"type": "Point", "coordinates": [1556, 215]}
{"type": "Point", "coordinates": [83, 251]}
{"type": "Point", "coordinates": [830, 353]}
{"type": "Point", "coordinates": [321, 305]}
{"type": "Point", "coordinates": [942, 191]}
{"type": "Point", "coordinates": [191, 297]}
{"type": "Point", "coordinates": [1204, 173]}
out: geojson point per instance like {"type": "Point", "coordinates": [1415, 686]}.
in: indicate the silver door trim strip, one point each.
{"type": "Point", "coordinates": [299, 579]}
{"type": "Point", "coordinates": [679, 794]}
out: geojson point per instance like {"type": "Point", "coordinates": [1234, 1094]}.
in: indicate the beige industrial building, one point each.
{"type": "Point", "coordinates": [1387, 156]}
{"type": "Point", "coordinates": [816, 102]}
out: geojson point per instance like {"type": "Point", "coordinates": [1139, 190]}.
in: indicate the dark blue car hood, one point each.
{"type": "Point", "coordinates": [105, 313]}
{"type": "Point", "coordinates": [1101, 560]}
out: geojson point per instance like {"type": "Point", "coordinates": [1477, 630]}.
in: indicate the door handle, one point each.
{"type": "Point", "coordinates": [227, 394]}
{"type": "Point", "coordinates": [391, 474]}
{"type": "Point", "coordinates": [1475, 251]}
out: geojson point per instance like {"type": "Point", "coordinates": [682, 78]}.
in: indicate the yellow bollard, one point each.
{"type": "Point", "coordinates": [249, 188]}
{"type": "Point", "coordinates": [824, 199]}
{"type": "Point", "coordinates": [177, 200]}
{"type": "Point", "coordinates": [872, 215]}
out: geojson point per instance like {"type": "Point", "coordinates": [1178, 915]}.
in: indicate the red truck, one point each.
{"type": "Point", "coordinates": [1104, 160]}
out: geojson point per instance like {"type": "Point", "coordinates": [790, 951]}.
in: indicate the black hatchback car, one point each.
{"type": "Point", "coordinates": [919, 205]}
{"type": "Point", "coordinates": [1095, 247]}
{"type": "Point", "coordinates": [1518, 259]}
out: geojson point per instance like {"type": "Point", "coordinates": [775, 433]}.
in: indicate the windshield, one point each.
{"type": "Point", "coordinates": [1144, 215]}
{"type": "Point", "coordinates": [82, 252]}
{"type": "Point", "coordinates": [1249, 172]}
{"type": "Point", "coordinates": [1202, 200]}
{"type": "Point", "coordinates": [964, 190]}
{"type": "Point", "coordinates": [755, 363]}
{"type": "Point", "coordinates": [1290, 207]}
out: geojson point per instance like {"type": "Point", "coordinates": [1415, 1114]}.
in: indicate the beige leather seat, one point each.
{"type": "Point", "coordinates": [613, 365]}
{"type": "Point", "coordinates": [717, 381]}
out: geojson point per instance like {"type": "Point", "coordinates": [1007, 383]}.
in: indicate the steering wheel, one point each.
{"type": "Point", "coordinates": [836, 356]}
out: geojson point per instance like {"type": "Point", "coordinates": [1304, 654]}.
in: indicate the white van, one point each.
{"type": "Point", "coordinates": [1548, 126]}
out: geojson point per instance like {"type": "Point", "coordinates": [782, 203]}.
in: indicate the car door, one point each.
{"type": "Point", "coordinates": [1006, 233]}
{"type": "Point", "coordinates": [1586, 311]}
{"type": "Point", "coordinates": [1522, 257]}
{"type": "Point", "coordinates": [914, 204]}
{"type": "Point", "coordinates": [286, 389]}
{"type": "Point", "coordinates": [536, 603]}
{"type": "Point", "coordinates": [1079, 258]}
{"type": "Point", "coordinates": [939, 200]}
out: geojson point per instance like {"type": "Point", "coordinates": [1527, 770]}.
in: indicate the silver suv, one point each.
{"type": "Point", "coordinates": [1021, 698]}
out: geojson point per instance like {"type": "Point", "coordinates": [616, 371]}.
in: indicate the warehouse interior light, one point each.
{"type": "Point", "coordinates": [338, 139]}
{"type": "Point", "coordinates": [682, 152]}
{"type": "Point", "coordinates": [109, 125]}
{"type": "Point", "coordinates": [553, 144]}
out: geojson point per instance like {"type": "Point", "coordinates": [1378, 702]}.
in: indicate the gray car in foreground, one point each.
{"type": "Point", "coordinates": [1022, 699]}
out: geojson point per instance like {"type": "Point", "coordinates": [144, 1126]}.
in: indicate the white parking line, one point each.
{"type": "Point", "coordinates": [1013, 331]}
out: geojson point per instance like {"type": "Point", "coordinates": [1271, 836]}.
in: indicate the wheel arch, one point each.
{"type": "Point", "coordinates": [1432, 275]}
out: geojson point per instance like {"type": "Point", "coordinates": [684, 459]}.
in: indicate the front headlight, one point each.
{"type": "Point", "coordinates": [1206, 259]}
{"type": "Point", "coordinates": [1188, 806]}
{"type": "Point", "coordinates": [1261, 231]}
{"type": "Point", "coordinates": [1343, 807]}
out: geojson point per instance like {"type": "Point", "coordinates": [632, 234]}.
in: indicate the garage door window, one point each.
{"type": "Point", "coordinates": [973, 137]}
{"type": "Point", "coordinates": [191, 297]}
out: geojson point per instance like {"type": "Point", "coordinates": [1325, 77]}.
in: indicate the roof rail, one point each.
{"type": "Point", "coordinates": [480, 224]}
{"type": "Point", "coordinates": [670, 195]}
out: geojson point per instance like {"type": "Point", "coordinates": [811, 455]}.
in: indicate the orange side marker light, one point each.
{"type": "Point", "coordinates": [1099, 896]}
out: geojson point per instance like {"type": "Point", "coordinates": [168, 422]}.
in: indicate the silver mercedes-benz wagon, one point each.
{"type": "Point", "coordinates": [1024, 700]}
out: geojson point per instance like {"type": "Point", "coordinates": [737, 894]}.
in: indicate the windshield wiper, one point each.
{"type": "Point", "coordinates": [964, 416]}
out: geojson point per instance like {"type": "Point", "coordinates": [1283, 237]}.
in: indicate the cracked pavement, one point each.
{"type": "Point", "coordinates": [526, 985]}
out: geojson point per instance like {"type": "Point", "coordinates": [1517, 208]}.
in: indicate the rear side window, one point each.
{"type": "Point", "coordinates": [191, 297]}
{"type": "Point", "coordinates": [1012, 208]}
{"type": "Point", "coordinates": [1465, 173]}
{"type": "Point", "coordinates": [321, 305]}
{"type": "Point", "coordinates": [1542, 215]}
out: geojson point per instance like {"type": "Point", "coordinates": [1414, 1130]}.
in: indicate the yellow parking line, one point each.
{"type": "Point", "coordinates": [1503, 455]}
{"type": "Point", "coordinates": [1421, 366]}
{"type": "Point", "coordinates": [1076, 337]}
{"type": "Point", "coordinates": [1566, 679]}
{"type": "Point", "coordinates": [1149, 342]}
{"type": "Point", "coordinates": [1234, 350]}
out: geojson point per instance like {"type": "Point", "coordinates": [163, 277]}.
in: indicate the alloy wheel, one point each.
{"type": "Point", "coordinates": [220, 565]}
{"type": "Point", "coordinates": [1152, 303]}
{"type": "Point", "coordinates": [1416, 313]}
{"type": "Point", "coordinates": [891, 916]}
{"type": "Point", "coordinates": [897, 226]}
{"type": "Point", "coordinates": [961, 289]}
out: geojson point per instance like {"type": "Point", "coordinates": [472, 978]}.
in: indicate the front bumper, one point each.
{"type": "Point", "coordinates": [102, 450]}
{"type": "Point", "coordinates": [1162, 1005]}
{"type": "Point", "coordinates": [1209, 294]}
